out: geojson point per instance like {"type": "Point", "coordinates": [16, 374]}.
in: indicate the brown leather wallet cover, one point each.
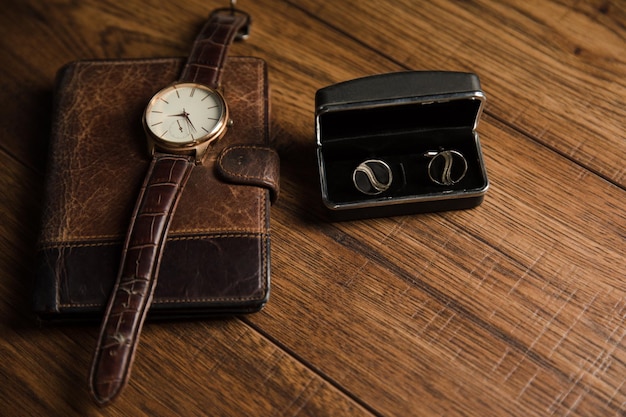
{"type": "Point", "coordinates": [217, 255]}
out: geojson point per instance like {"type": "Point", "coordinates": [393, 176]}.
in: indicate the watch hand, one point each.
{"type": "Point", "coordinates": [191, 126]}
{"type": "Point", "coordinates": [186, 116]}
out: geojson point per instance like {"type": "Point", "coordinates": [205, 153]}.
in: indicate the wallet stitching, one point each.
{"type": "Point", "coordinates": [173, 300]}
{"type": "Point", "coordinates": [243, 233]}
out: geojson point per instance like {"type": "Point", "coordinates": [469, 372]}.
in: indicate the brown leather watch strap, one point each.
{"type": "Point", "coordinates": [205, 63]}
{"type": "Point", "coordinates": [138, 273]}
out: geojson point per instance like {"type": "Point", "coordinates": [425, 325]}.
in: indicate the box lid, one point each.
{"type": "Point", "coordinates": [430, 100]}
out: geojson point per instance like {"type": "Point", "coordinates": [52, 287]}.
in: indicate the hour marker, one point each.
{"type": "Point", "coordinates": [212, 107]}
{"type": "Point", "coordinates": [156, 124]}
{"type": "Point", "coordinates": [165, 101]}
{"type": "Point", "coordinates": [212, 118]}
{"type": "Point", "coordinates": [205, 97]}
{"type": "Point", "coordinates": [177, 95]}
{"type": "Point", "coordinates": [205, 130]}
{"type": "Point", "coordinates": [156, 111]}
{"type": "Point", "coordinates": [193, 90]}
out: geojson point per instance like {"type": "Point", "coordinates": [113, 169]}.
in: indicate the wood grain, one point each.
{"type": "Point", "coordinates": [515, 308]}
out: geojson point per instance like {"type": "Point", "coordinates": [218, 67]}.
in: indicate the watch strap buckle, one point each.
{"type": "Point", "coordinates": [244, 31]}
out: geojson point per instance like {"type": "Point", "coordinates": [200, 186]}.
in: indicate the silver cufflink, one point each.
{"type": "Point", "coordinates": [372, 177]}
{"type": "Point", "coordinates": [446, 167]}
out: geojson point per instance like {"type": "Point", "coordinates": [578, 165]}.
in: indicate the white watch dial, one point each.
{"type": "Point", "coordinates": [185, 114]}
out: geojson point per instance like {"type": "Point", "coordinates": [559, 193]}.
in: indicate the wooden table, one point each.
{"type": "Point", "coordinates": [514, 308]}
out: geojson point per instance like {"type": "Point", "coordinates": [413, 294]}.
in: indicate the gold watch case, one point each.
{"type": "Point", "coordinates": [185, 118]}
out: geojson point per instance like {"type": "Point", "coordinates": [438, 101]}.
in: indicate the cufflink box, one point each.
{"type": "Point", "coordinates": [400, 143]}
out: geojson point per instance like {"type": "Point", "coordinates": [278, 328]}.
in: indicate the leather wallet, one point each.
{"type": "Point", "coordinates": [217, 255]}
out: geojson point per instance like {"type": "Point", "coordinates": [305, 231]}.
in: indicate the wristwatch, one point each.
{"type": "Point", "coordinates": [181, 122]}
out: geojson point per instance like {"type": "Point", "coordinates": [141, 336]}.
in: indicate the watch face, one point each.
{"type": "Point", "coordinates": [186, 114]}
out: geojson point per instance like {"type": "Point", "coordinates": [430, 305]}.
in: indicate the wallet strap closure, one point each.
{"type": "Point", "coordinates": [251, 165]}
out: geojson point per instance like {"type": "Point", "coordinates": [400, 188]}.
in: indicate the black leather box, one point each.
{"type": "Point", "coordinates": [400, 143]}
